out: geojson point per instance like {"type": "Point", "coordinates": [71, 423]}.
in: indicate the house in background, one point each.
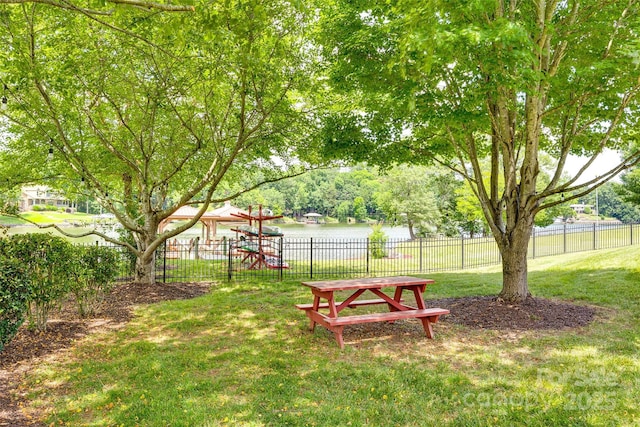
{"type": "Point", "coordinates": [41, 195]}
{"type": "Point", "coordinates": [581, 208]}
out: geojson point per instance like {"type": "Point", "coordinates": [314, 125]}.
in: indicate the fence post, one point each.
{"type": "Point", "coordinates": [367, 256]}
{"type": "Point", "coordinates": [594, 236]}
{"type": "Point", "coordinates": [229, 263]}
{"type": "Point", "coordinates": [280, 257]}
{"type": "Point", "coordinates": [420, 240]}
{"type": "Point", "coordinates": [462, 251]}
{"type": "Point", "coordinates": [564, 238]}
{"type": "Point", "coordinates": [164, 263]}
{"type": "Point", "coordinates": [311, 257]}
{"type": "Point", "coordinates": [631, 234]}
{"type": "Point", "coordinates": [534, 243]}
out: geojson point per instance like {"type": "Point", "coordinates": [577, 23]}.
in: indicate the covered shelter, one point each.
{"type": "Point", "coordinates": [210, 219]}
{"type": "Point", "coordinates": [312, 217]}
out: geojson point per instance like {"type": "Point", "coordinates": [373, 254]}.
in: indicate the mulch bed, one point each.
{"type": "Point", "coordinates": [29, 347]}
{"type": "Point", "coordinates": [532, 314]}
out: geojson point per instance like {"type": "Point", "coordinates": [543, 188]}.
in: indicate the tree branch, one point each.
{"type": "Point", "coordinates": [146, 5]}
{"type": "Point", "coordinates": [75, 236]}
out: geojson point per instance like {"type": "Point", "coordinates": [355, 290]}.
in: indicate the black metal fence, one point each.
{"type": "Point", "coordinates": [314, 258]}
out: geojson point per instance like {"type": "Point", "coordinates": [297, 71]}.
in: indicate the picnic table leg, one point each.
{"type": "Point", "coordinates": [426, 324]}
{"type": "Point", "coordinates": [337, 331]}
{"type": "Point", "coordinates": [397, 296]}
{"type": "Point", "coordinates": [417, 292]}
{"type": "Point", "coordinates": [316, 305]}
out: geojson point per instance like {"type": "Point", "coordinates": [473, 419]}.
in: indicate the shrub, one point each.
{"type": "Point", "coordinates": [94, 270]}
{"type": "Point", "coordinates": [48, 261]}
{"type": "Point", "coordinates": [378, 242]}
{"type": "Point", "coordinates": [14, 296]}
{"type": "Point", "coordinates": [128, 256]}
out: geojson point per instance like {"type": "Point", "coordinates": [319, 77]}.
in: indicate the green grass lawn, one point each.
{"type": "Point", "coordinates": [75, 223]}
{"type": "Point", "coordinates": [10, 220]}
{"type": "Point", "coordinates": [51, 217]}
{"type": "Point", "coordinates": [47, 217]}
{"type": "Point", "coordinates": [242, 355]}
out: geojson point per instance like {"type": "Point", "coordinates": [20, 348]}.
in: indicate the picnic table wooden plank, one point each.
{"type": "Point", "coordinates": [433, 313]}
{"type": "Point", "coordinates": [352, 304]}
{"type": "Point", "coordinates": [368, 283]}
{"type": "Point", "coordinates": [324, 290]}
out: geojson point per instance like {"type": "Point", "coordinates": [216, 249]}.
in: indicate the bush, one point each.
{"type": "Point", "coordinates": [48, 261]}
{"type": "Point", "coordinates": [378, 242]}
{"type": "Point", "coordinates": [14, 296]}
{"type": "Point", "coordinates": [128, 256]}
{"type": "Point", "coordinates": [94, 270]}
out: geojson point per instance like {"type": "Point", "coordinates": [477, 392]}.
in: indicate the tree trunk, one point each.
{"type": "Point", "coordinates": [513, 249]}
{"type": "Point", "coordinates": [145, 269]}
{"type": "Point", "coordinates": [145, 260]}
{"type": "Point", "coordinates": [412, 233]}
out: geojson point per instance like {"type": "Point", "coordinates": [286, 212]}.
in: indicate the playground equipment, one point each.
{"type": "Point", "coordinates": [257, 241]}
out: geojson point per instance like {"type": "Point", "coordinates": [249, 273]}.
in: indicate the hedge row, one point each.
{"type": "Point", "coordinates": [37, 271]}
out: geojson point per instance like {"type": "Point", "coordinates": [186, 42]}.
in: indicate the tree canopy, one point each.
{"type": "Point", "coordinates": [169, 116]}
{"type": "Point", "coordinates": [458, 82]}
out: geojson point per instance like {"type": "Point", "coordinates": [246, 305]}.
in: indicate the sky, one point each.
{"type": "Point", "coordinates": [603, 163]}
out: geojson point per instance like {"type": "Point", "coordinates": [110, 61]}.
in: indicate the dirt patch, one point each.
{"type": "Point", "coordinates": [532, 314]}
{"type": "Point", "coordinates": [488, 313]}
{"type": "Point", "coordinates": [28, 348]}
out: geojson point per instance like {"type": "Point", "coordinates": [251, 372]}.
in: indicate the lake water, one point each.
{"type": "Point", "coordinates": [322, 231]}
{"type": "Point", "coordinates": [290, 231]}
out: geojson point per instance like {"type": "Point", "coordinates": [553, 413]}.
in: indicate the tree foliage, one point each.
{"type": "Point", "coordinates": [630, 190]}
{"type": "Point", "coordinates": [458, 82]}
{"type": "Point", "coordinates": [615, 200]}
{"type": "Point", "coordinates": [169, 113]}
{"type": "Point", "coordinates": [408, 196]}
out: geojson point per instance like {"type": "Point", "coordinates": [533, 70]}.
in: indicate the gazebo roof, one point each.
{"type": "Point", "coordinates": [225, 213]}
{"type": "Point", "coordinates": [209, 219]}
{"type": "Point", "coordinates": [221, 214]}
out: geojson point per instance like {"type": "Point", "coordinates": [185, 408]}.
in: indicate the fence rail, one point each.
{"type": "Point", "coordinates": [319, 258]}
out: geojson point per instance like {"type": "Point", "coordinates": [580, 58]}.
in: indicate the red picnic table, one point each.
{"type": "Point", "coordinates": [324, 290]}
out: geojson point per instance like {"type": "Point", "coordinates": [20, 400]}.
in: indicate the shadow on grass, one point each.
{"type": "Point", "coordinates": [242, 355]}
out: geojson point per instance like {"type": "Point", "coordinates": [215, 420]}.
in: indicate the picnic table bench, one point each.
{"type": "Point", "coordinates": [324, 290]}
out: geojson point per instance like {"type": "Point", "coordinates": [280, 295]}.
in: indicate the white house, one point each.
{"type": "Point", "coordinates": [580, 208]}
{"type": "Point", "coordinates": [41, 195]}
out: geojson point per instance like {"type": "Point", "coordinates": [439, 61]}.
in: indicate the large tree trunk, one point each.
{"type": "Point", "coordinates": [145, 259]}
{"type": "Point", "coordinates": [145, 269]}
{"type": "Point", "coordinates": [513, 249]}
